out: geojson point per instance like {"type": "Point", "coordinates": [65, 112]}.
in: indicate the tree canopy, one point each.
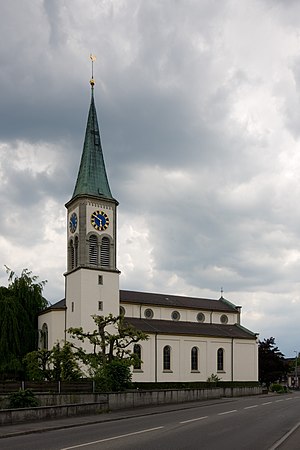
{"type": "Point", "coordinates": [20, 304]}
{"type": "Point", "coordinates": [57, 364]}
{"type": "Point", "coordinates": [271, 362]}
{"type": "Point", "coordinates": [109, 355]}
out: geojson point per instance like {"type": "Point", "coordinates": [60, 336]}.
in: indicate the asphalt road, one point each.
{"type": "Point", "coordinates": [252, 423]}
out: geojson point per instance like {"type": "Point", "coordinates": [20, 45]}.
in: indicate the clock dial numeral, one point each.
{"type": "Point", "coordinates": [100, 220]}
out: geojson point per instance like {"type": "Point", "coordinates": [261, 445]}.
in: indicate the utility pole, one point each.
{"type": "Point", "coordinates": [296, 372]}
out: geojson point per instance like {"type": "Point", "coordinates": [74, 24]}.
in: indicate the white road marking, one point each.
{"type": "Point", "coordinates": [289, 398]}
{"type": "Point", "coordinates": [249, 407]}
{"type": "Point", "coordinates": [266, 403]}
{"type": "Point", "coordinates": [193, 420]}
{"type": "Point", "coordinates": [112, 438]}
{"type": "Point", "coordinates": [227, 412]}
{"type": "Point", "coordinates": [281, 400]}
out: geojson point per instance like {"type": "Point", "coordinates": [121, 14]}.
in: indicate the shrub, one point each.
{"type": "Point", "coordinates": [114, 376]}
{"type": "Point", "coordinates": [23, 399]}
{"type": "Point", "coordinates": [213, 378]}
{"type": "Point", "coordinates": [276, 387]}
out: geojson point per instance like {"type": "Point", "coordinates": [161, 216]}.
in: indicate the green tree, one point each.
{"type": "Point", "coordinates": [111, 356]}
{"type": "Point", "coordinates": [271, 362]}
{"type": "Point", "coordinates": [59, 364]}
{"type": "Point", "coordinates": [20, 304]}
{"type": "Point", "coordinates": [64, 363]}
{"type": "Point", "coordinates": [38, 365]}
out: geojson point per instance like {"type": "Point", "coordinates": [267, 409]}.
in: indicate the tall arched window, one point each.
{"type": "Point", "coordinates": [44, 337]}
{"type": "Point", "coordinates": [220, 359]}
{"type": "Point", "coordinates": [167, 358]}
{"type": "Point", "coordinates": [93, 249]}
{"type": "Point", "coordinates": [105, 252]}
{"type": "Point", "coordinates": [76, 252]}
{"type": "Point", "coordinates": [194, 358]}
{"type": "Point", "coordinates": [137, 350]}
{"type": "Point", "coordinates": [72, 254]}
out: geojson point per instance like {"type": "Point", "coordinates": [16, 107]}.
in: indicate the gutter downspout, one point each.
{"type": "Point", "coordinates": [66, 308]}
{"type": "Point", "coordinates": [232, 365]}
{"type": "Point", "coordinates": [155, 358]}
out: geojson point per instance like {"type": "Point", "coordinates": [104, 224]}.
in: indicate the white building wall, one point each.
{"type": "Point", "coordinates": [83, 294]}
{"type": "Point", "coordinates": [186, 315]}
{"type": "Point", "coordinates": [243, 360]}
{"type": "Point", "coordinates": [55, 321]}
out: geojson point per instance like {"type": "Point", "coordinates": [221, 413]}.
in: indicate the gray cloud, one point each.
{"type": "Point", "coordinates": [198, 107]}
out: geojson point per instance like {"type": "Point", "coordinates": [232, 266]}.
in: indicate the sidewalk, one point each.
{"type": "Point", "coordinates": [290, 441]}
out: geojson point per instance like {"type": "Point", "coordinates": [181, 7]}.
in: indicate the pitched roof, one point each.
{"type": "Point", "coordinates": [92, 178]}
{"type": "Point", "coordinates": [190, 328]}
{"type": "Point", "coordinates": [61, 305]}
{"type": "Point", "coordinates": [149, 298]}
{"type": "Point", "coordinates": [166, 300]}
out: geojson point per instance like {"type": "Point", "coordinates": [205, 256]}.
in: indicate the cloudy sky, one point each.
{"type": "Point", "coordinates": [199, 109]}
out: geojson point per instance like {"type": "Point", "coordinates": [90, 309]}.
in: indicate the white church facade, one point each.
{"type": "Point", "coordinates": [189, 338]}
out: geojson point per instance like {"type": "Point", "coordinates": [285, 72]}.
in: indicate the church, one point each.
{"type": "Point", "coordinates": [189, 338]}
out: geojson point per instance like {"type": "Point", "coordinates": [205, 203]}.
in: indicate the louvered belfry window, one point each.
{"type": "Point", "coordinates": [72, 254]}
{"type": "Point", "coordinates": [93, 249]}
{"type": "Point", "coordinates": [105, 252]}
{"type": "Point", "coordinates": [76, 252]}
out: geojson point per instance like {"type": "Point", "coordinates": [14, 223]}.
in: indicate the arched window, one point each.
{"type": "Point", "coordinates": [72, 254]}
{"type": "Point", "coordinates": [44, 337]}
{"type": "Point", "coordinates": [194, 358]}
{"type": "Point", "coordinates": [220, 359]}
{"type": "Point", "coordinates": [137, 350]}
{"type": "Point", "coordinates": [93, 250]}
{"type": "Point", "coordinates": [105, 252]}
{"type": "Point", "coordinates": [76, 252]}
{"type": "Point", "coordinates": [167, 358]}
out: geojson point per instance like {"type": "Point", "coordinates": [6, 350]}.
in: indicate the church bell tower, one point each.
{"type": "Point", "coordinates": [92, 278]}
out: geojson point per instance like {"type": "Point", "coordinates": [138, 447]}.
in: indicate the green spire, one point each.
{"type": "Point", "coordinates": [92, 178]}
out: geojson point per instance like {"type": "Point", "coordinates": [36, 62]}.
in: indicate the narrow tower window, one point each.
{"type": "Point", "coordinates": [93, 249]}
{"type": "Point", "coordinates": [105, 252]}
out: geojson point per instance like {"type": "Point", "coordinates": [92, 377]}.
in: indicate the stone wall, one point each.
{"type": "Point", "coordinates": [66, 405]}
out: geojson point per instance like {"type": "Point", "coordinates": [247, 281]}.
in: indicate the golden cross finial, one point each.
{"type": "Point", "coordinates": [93, 58]}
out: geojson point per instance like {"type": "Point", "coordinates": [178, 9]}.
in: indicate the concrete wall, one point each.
{"type": "Point", "coordinates": [96, 403]}
{"type": "Point", "coordinates": [11, 416]}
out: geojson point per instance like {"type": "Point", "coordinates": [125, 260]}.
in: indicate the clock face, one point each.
{"type": "Point", "coordinates": [73, 222]}
{"type": "Point", "coordinates": [99, 220]}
